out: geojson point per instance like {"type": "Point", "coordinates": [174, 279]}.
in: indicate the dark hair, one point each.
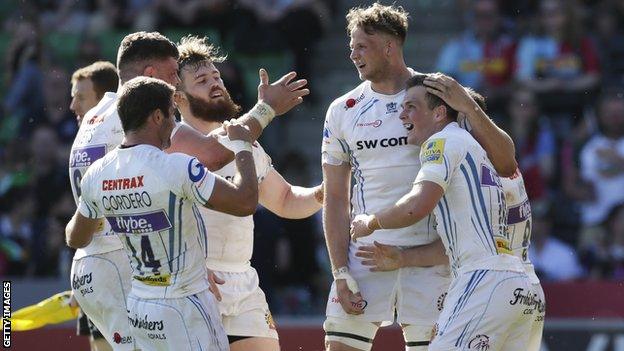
{"type": "Point", "coordinates": [136, 48]}
{"type": "Point", "coordinates": [379, 18]}
{"type": "Point", "coordinates": [478, 98]}
{"type": "Point", "coordinates": [139, 98]}
{"type": "Point", "coordinates": [432, 100]}
{"type": "Point", "coordinates": [102, 74]}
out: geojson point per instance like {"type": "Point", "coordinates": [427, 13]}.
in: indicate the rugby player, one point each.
{"type": "Point", "coordinates": [204, 103]}
{"type": "Point", "coordinates": [88, 85]}
{"type": "Point", "coordinates": [149, 198]}
{"type": "Point", "coordinates": [487, 299]}
{"type": "Point", "coordinates": [385, 257]}
{"type": "Point", "coordinates": [100, 273]}
{"type": "Point", "coordinates": [364, 137]}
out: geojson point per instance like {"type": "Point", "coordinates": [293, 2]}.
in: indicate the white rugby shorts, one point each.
{"type": "Point", "coordinates": [101, 284]}
{"type": "Point", "coordinates": [487, 310]}
{"type": "Point", "coordinates": [243, 306]}
{"type": "Point", "coordinates": [190, 323]}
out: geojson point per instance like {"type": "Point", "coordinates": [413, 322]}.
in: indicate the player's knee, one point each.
{"type": "Point", "coordinates": [348, 335]}
{"type": "Point", "coordinates": [417, 337]}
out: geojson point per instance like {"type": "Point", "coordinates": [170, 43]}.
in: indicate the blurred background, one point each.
{"type": "Point", "coordinates": [552, 71]}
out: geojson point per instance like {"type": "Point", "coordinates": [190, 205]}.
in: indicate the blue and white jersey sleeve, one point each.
{"type": "Point", "coordinates": [195, 182]}
{"type": "Point", "coordinates": [334, 144]}
{"type": "Point", "coordinates": [440, 156]}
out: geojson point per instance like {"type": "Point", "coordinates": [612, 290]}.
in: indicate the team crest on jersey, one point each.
{"type": "Point", "coordinates": [196, 175]}
{"type": "Point", "coordinates": [480, 342]}
{"type": "Point", "coordinates": [433, 151]}
{"type": "Point", "coordinates": [391, 107]}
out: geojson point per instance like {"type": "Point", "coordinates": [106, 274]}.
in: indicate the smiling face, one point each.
{"type": "Point", "coordinates": [205, 91]}
{"type": "Point", "coordinates": [417, 117]}
{"type": "Point", "coordinates": [368, 54]}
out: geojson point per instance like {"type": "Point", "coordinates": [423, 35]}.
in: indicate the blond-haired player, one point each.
{"type": "Point", "coordinates": [364, 137]}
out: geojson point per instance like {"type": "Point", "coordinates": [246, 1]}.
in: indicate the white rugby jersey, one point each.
{"type": "Point", "coordinates": [99, 133]}
{"type": "Point", "coordinates": [471, 217]}
{"type": "Point", "coordinates": [148, 197]}
{"type": "Point", "coordinates": [363, 127]}
{"type": "Point", "coordinates": [231, 237]}
{"type": "Point", "coordinates": [519, 221]}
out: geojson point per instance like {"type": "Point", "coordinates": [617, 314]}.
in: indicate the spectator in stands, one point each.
{"type": "Point", "coordinates": [560, 63]}
{"type": "Point", "coordinates": [553, 259]}
{"type": "Point", "coordinates": [293, 24]}
{"type": "Point", "coordinates": [24, 101]}
{"type": "Point", "coordinates": [602, 160]}
{"type": "Point", "coordinates": [535, 143]}
{"type": "Point", "coordinates": [483, 56]}
{"type": "Point", "coordinates": [610, 40]}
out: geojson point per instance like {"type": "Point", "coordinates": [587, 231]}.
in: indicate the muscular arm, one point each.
{"type": "Point", "coordinates": [206, 148]}
{"type": "Point", "coordinates": [496, 142]}
{"type": "Point", "coordinates": [337, 180]}
{"type": "Point", "coordinates": [80, 229]}
{"type": "Point", "coordinates": [240, 197]}
{"type": "Point", "coordinates": [286, 200]}
{"type": "Point", "coordinates": [411, 208]}
{"type": "Point", "coordinates": [432, 254]}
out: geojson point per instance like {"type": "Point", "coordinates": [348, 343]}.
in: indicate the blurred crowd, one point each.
{"type": "Point", "coordinates": [552, 71]}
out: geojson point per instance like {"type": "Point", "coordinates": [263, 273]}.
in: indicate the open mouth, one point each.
{"type": "Point", "coordinates": [360, 66]}
{"type": "Point", "coordinates": [408, 126]}
{"type": "Point", "coordinates": [217, 93]}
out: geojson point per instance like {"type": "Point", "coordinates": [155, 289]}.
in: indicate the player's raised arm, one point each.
{"type": "Point", "coordinates": [273, 100]}
{"type": "Point", "coordinates": [240, 197]}
{"type": "Point", "coordinates": [287, 200]}
{"type": "Point", "coordinates": [496, 142]}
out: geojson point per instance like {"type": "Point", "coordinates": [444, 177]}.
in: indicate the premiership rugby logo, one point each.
{"type": "Point", "coordinates": [433, 151]}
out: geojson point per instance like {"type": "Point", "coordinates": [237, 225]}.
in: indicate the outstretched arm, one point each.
{"type": "Point", "coordinates": [411, 208]}
{"type": "Point", "coordinates": [289, 201]}
{"type": "Point", "coordinates": [273, 100]}
{"type": "Point", "coordinates": [381, 257]}
{"type": "Point", "coordinates": [496, 142]}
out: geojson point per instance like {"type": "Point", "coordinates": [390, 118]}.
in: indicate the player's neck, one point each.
{"type": "Point", "coordinates": [141, 137]}
{"type": "Point", "coordinates": [393, 81]}
{"type": "Point", "coordinates": [199, 124]}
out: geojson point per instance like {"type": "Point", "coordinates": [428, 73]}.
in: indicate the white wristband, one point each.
{"type": "Point", "coordinates": [235, 146]}
{"type": "Point", "coordinates": [263, 113]}
{"type": "Point", "coordinates": [343, 273]}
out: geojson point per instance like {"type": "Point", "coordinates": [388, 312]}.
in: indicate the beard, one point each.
{"type": "Point", "coordinates": [213, 111]}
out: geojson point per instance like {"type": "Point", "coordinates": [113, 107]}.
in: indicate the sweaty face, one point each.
{"type": "Point", "coordinates": [367, 54]}
{"type": "Point", "coordinates": [83, 99]}
{"type": "Point", "coordinates": [417, 117]}
{"type": "Point", "coordinates": [208, 98]}
{"type": "Point", "coordinates": [166, 70]}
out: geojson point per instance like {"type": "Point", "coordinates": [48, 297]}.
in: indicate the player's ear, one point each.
{"type": "Point", "coordinates": [440, 112]}
{"type": "Point", "coordinates": [149, 71]}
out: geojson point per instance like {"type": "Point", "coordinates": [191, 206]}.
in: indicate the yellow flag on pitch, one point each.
{"type": "Point", "coordinates": [53, 310]}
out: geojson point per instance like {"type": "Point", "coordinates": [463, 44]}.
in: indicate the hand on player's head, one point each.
{"type": "Point", "coordinates": [237, 131]}
{"type": "Point", "coordinates": [449, 90]}
{"type": "Point", "coordinates": [284, 94]}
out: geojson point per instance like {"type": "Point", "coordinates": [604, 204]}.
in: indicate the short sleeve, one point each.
{"type": "Point", "coordinates": [439, 158]}
{"type": "Point", "coordinates": [87, 206]}
{"type": "Point", "coordinates": [263, 162]}
{"type": "Point", "coordinates": [196, 181]}
{"type": "Point", "coordinates": [333, 142]}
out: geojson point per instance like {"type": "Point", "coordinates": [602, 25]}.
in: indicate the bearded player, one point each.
{"type": "Point", "coordinates": [205, 104]}
{"type": "Point", "coordinates": [364, 137]}
{"type": "Point", "coordinates": [100, 272]}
